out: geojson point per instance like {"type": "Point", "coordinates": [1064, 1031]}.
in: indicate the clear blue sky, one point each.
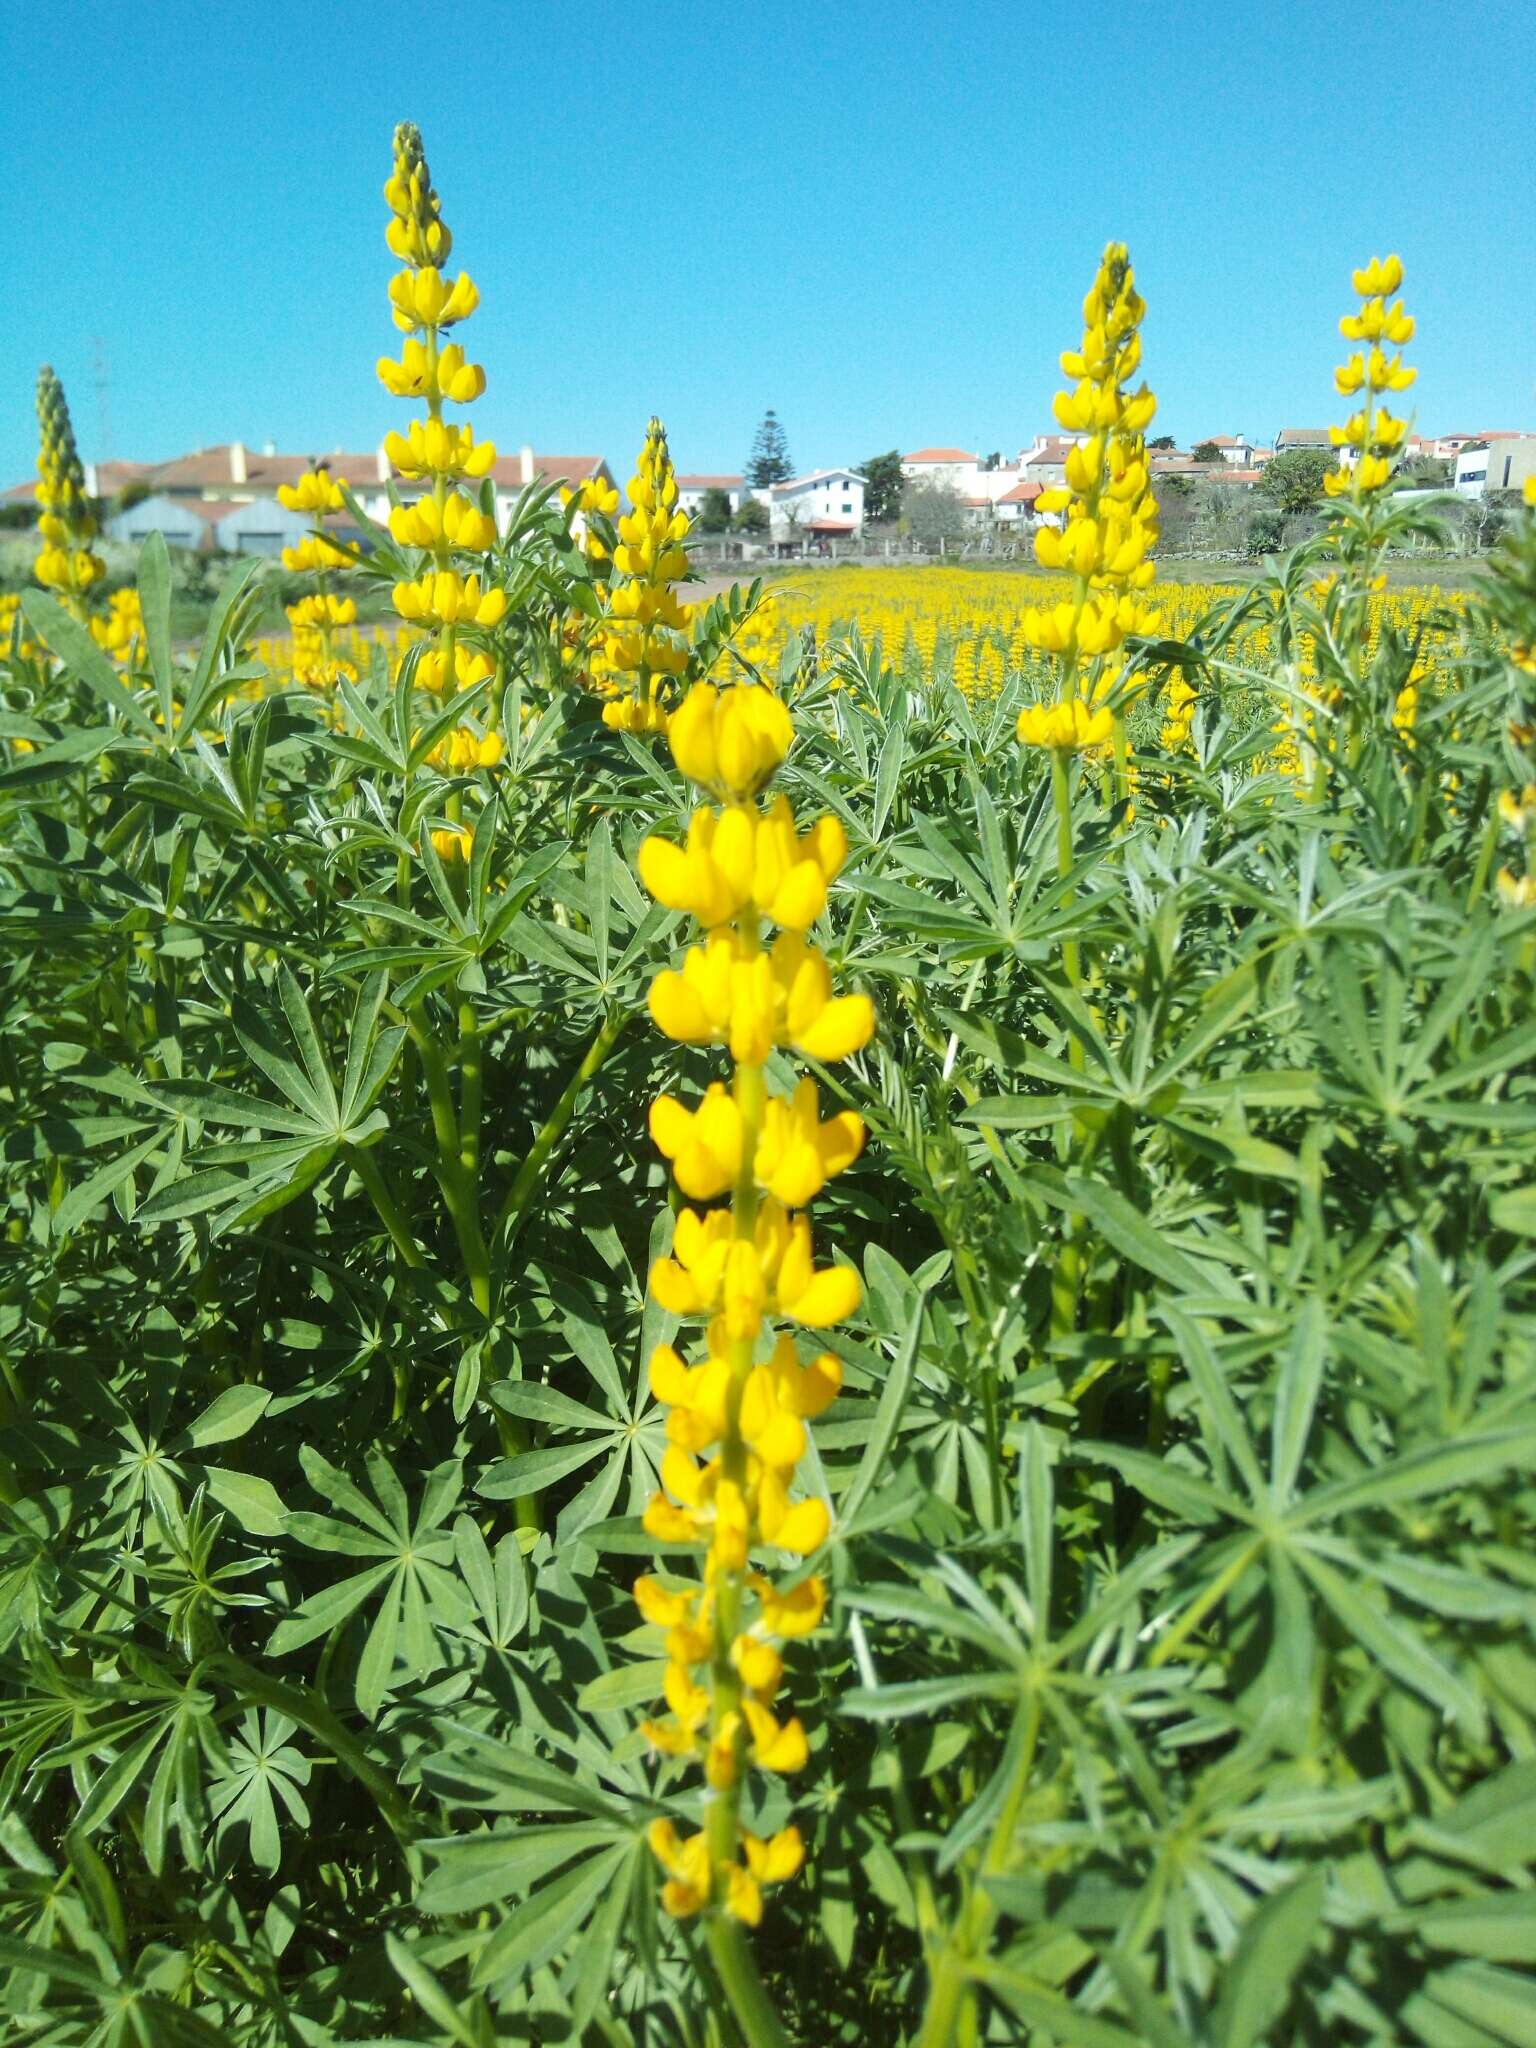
{"type": "Point", "coordinates": [878, 218]}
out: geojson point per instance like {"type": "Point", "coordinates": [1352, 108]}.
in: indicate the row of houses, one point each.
{"type": "Point", "coordinates": [225, 497]}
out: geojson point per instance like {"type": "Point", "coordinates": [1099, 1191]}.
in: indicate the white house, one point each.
{"type": "Point", "coordinates": [980, 484]}
{"type": "Point", "coordinates": [826, 504]}
{"type": "Point", "coordinates": [952, 466]}
{"type": "Point", "coordinates": [1236, 450]}
{"type": "Point", "coordinates": [692, 490]}
{"type": "Point", "coordinates": [1017, 505]}
{"type": "Point", "coordinates": [1495, 462]}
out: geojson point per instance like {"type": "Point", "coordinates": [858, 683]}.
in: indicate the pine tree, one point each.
{"type": "Point", "coordinates": [769, 461]}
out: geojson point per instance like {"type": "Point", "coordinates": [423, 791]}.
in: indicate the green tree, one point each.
{"type": "Point", "coordinates": [1206, 451]}
{"type": "Point", "coordinates": [931, 510]}
{"type": "Point", "coordinates": [714, 511]}
{"type": "Point", "coordinates": [751, 517]}
{"type": "Point", "coordinates": [769, 461]}
{"type": "Point", "coordinates": [1162, 441]}
{"type": "Point", "coordinates": [1295, 477]}
{"type": "Point", "coordinates": [883, 487]}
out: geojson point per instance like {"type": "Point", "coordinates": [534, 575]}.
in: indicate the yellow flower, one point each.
{"type": "Point", "coordinates": [1068, 726]}
{"type": "Point", "coordinates": [424, 299]}
{"type": "Point", "coordinates": [316, 491]}
{"type": "Point", "coordinates": [738, 859]}
{"type": "Point", "coordinates": [67, 523]}
{"type": "Point", "coordinates": [323, 611]}
{"type": "Point", "coordinates": [416, 375]}
{"type": "Point", "coordinates": [444, 598]}
{"type": "Point", "coordinates": [729, 993]}
{"type": "Point", "coordinates": [458, 522]}
{"type": "Point", "coordinates": [453, 843]}
{"type": "Point", "coordinates": [417, 233]}
{"type": "Point", "coordinates": [796, 1152]}
{"type": "Point", "coordinates": [432, 448]}
{"type": "Point", "coordinates": [730, 741]}
{"type": "Point", "coordinates": [643, 644]}
{"type": "Point", "coordinates": [469, 667]}
{"type": "Point", "coordinates": [1516, 892]}
{"type": "Point", "coordinates": [1518, 809]}
{"type": "Point", "coordinates": [737, 1426]}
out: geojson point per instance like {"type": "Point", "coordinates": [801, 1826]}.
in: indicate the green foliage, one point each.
{"type": "Point", "coordinates": [751, 517]}
{"type": "Point", "coordinates": [714, 511]}
{"type": "Point", "coordinates": [1177, 1686]}
{"type": "Point", "coordinates": [931, 510]}
{"type": "Point", "coordinates": [1294, 477]}
{"type": "Point", "coordinates": [884, 484]}
{"type": "Point", "coordinates": [769, 461]}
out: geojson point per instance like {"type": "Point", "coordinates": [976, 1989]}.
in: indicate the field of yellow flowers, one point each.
{"type": "Point", "coordinates": [808, 1319]}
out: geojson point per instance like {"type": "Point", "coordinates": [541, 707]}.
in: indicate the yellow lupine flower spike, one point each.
{"type": "Point", "coordinates": [737, 1419]}
{"type": "Point", "coordinates": [641, 650]}
{"type": "Point", "coordinates": [448, 598]}
{"type": "Point", "coordinates": [66, 520]}
{"type": "Point", "coordinates": [1372, 437]}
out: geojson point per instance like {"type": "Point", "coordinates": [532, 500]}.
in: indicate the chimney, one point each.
{"type": "Point", "coordinates": [525, 463]}
{"type": "Point", "coordinates": [269, 447]}
{"type": "Point", "coordinates": [237, 462]}
{"type": "Point", "coordinates": [382, 465]}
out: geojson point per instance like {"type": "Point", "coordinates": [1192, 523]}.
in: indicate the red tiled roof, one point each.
{"type": "Point", "coordinates": [1223, 441]}
{"type": "Point", "coordinates": [19, 494]}
{"type": "Point", "coordinates": [831, 526]}
{"type": "Point", "coordinates": [709, 483]}
{"type": "Point", "coordinates": [562, 469]}
{"type": "Point", "coordinates": [1229, 473]}
{"type": "Point", "coordinates": [1021, 494]}
{"type": "Point", "coordinates": [205, 466]}
{"type": "Point", "coordinates": [939, 455]}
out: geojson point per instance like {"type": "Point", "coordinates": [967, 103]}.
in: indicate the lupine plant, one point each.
{"type": "Point", "coordinates": [1090, 1608]}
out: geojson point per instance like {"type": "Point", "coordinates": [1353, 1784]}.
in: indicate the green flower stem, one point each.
{"type": "Point", "coordinates": [471, 1088]}
{"type": "Point", "coordinates": [1061, 791]}
{"type": "Point", "coordinates": [370, 1174]}
{"type": "Point", "coordinates": [1485, 854]}
{"type": "Point", "coordinates": [459, 1187]}
{"type": "Point", "coordinates": [530, 1174]}
{"type": "Point", "coordinates": [951, 1999]}
{"type": "Point", "coordinates": [750, 2004]}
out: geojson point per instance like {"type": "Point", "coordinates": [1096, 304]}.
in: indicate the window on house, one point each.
{"type": "Point", "coordinates": [848, 508]}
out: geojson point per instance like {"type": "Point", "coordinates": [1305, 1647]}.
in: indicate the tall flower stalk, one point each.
{"type": "Point", "coordinates": [643, 651]}
{"type": "Point", "coordinates": [1370, 443]}
{"type": "Point", "coordinates": [1108, 524]}
{"type": "Point", "coordinates": [737, 1415]}
{"type": "Point", "coordinates": [66, 521]}
{"type": "Point", "coordinates": [446, 522]}
{"type": "Point", "coordinates": [316, 618]}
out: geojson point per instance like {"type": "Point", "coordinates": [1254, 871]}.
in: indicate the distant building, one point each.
{"type": "Point", "coordinates": [1498, 462]}
{"type": "Point", "coordinates": [1017, 506]}
{"type": "Point", "coordinates": [692, 491]}
{"type": "Point", "coordinates": [826, 504]}
{"type": "Point", "coordinates": [1302, 437]}
{"type": "Point", "coordinates": [1236, 450]}
{"type": "Point", "coordinates": [952, 466]}
{"type": "Point", "coordinates": [1044, 462]}
{"type": "Point", "coordinates": [190, 498]}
